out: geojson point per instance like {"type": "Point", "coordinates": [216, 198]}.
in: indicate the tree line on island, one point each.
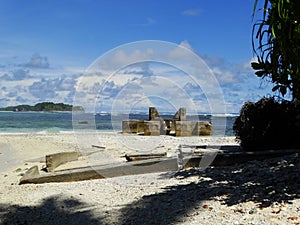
{"type": "Point", "coordinates": [43, 107]}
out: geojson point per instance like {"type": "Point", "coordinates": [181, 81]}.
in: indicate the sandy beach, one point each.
{"type": "Point", "coordinates": [255, 192]}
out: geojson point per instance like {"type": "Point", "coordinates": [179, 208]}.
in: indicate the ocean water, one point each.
{"type": "Point", "coordinates": [28, 122]}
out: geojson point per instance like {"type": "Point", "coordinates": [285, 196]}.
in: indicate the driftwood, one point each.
{"type": "Point", "coordinates": [137, 157]}
{"type": "Point", "coordinates": [97, 146]}
{"type": "Point", "coordinates": [148, 166]}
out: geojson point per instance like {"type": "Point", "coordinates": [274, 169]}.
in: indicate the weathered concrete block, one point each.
{"type": "Point", "coordinates": [153, 113]}
{"type": "Point", "coordinates": [180, 115]}
{"type": "Point", "coordinates": [159, 126]}
{"type": "Point", "coordinates": [55, 160]}
{"type": "Point", "coordinates": [32, 172]}
{"type": "Point", "coordinates": [140, 126]}
{"type": "Point", "coordinates": [185, 128]}
{"type": "Point", "coordinates": [162, 127]}
{"type": "Point", "coordinates": [129, 126]}
{"type": "Point", "coordinates": [152, 128]}
{"type": "Point", "coordinates": [192, 128]}
{"type": "Point", "coordinates": [205, 128]}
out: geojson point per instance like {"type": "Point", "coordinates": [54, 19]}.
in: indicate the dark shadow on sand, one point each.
{"type": "Point", "coordinates": [51, 211]}
{"type": "Point", "coordinates": [263, 183]}
{"type": "Point", "coordinates": [275, 180]}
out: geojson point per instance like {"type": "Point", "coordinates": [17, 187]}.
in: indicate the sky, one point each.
{"type": "Point", "coordinates": [49, 51]}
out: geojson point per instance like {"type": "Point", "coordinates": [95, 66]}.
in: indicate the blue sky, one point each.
{"type": "Point", "coordinates": [47, 45]}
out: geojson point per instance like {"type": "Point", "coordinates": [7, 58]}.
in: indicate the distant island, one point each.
{"type": "Point", "coordinates": [43, 107]}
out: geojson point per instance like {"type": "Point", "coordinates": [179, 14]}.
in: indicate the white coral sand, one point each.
{"type": "Point", "coordinates": [266, 192]}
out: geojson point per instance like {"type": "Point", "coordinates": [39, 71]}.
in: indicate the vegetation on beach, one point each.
{"type": "Point", "coordinates": [276, 44]}
{"type": "Point", "coordinates": [274, 123]}
{"type": "Point", "coordinates": [42, 107]}
{"type": "Point", "coordinates": [268, 124]}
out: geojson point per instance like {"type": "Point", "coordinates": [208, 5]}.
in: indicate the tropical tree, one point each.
{"type": "Point", "coordinates": [269, 123]}
{"type": "Point", "coordinates": [276, 43]}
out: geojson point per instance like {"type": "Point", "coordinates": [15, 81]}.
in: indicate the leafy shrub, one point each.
{"type": "Point", "coordinates": [268, 124]}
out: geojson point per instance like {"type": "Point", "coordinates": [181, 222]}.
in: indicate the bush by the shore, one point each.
{"type": "Point", "coordinates": [268, 124]}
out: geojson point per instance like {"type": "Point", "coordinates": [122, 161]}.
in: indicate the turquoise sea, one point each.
{"type": "Point", "coordinates": [27, 122]}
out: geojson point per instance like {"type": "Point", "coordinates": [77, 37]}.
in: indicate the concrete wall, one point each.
{"type": "Point", "coordinates": [192, 128]}
{"type": "Point", "coordinates": [132, 126]}
{"type": "Point", "coordinates": [151, 128]}
{"type": "Point", "coordinates": [157, 126]}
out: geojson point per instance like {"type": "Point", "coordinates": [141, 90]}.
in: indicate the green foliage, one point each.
{"type": "Point", "coordinates": [43, 107]}
{"type": "Point", "coordinates": [50, 106]}
{"type": "Point", "coordinates": [277, 45]}
{"type": "Point", "coordinates": [268, 124]}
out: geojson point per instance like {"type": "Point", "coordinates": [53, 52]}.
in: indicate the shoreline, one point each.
{"type": "Point", "coordinates": [107, 131]}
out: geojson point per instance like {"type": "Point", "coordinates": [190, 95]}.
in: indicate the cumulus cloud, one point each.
{"type": "Point", "coordinates": [21, 99]}
{"type": "Point", "coordinates": [150, 79]}
{"type": "Point", "coordinates": [20, 74]}
{"type": "Point", "coordinates": [118, 59]}
{"type": "Point", "coordinates": [52, 88]}
{"type": "Point", "coordinates": [37, 61]}
{"type": "Point", "coordinates": [228, 72]}
{"type": "Point", "coordinates": [139, 69]}
{"type": "Point", "coordinates": [42, 89]}
{"type": "Point", "coordinates": [180, 52]}
{"type": "Point", "coordinates": [131, 78]}
{"type": "Point", "coordinates": [16, 75]}
{"type": "Point", "coordinates": [110, 89]}
{"type": "Point", "coordinates": [223, 76]}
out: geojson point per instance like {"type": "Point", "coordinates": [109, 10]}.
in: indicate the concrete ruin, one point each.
{"type": "Point", "coordinates": [178, 126]}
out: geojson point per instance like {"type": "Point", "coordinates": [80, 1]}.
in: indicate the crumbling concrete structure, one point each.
{"type": "Point", "coordinates": [177, 126]}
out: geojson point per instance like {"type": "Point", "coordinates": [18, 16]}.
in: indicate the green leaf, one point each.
{"type": "Point", "coordinates": [254, 9]}
{"type": "Point", "coordinates": [260, 73]}
{"type": "Point", "coordinates": [275, 88]}
{"type": "Point", "coordinates": [256, 66]}
{"type": "Point", "coordinates": [283, 90]}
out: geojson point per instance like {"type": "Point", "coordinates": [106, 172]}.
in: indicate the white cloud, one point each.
{"type": "Point", "coordinates": [111, 83]}
{"type": "Point", "coordinates": [179, 53]}
{"type": "Point", "coordinates": [224, 76]}
{"type": "Point", "coordinates": [37, 61]}
{"type": "Point", "coordinates": [120, 58]}
{"type": "Point", "coordinates": [15, 75]}
{"type": "Point", "coordinates": [142, 77]}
